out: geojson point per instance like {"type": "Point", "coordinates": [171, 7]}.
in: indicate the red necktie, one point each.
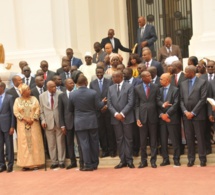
{"type": "Point", "coordinates": [52, 101]}
{"type": "Point", "coordinates": [147, 90]}
{"type": "Point", "coordinates": [147, 64]}
{"type": "Point", "coordinates": [45, 76]}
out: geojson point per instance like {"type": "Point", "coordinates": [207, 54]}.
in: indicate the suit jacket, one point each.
{"type": "Point", "coordinates": [36, 93]}
{"type": "Point", "coordinates": [146, 108]}
{"type": "Point", "coordinates": [158, 66]}
{"type": "Point", "coordinates": [180, 80]}
{"type": "Point", "coordinates": [31, 84]}
{"type": "Point", "coordinates": [117, 45]}
{"type": "Point", "coordinates": [65, 116]}
{"type": "Point", "coordinates": [12, 91]}
{"type": "Point", "coordinates": [173, 111]}
{"type": "Point", "coordinates": [136, 82]}
{"type": "Point", "coordinates": [163, 54]}
{"type": "Point", "coordinates": [84, 103]}
{"type": "Point", "coordinates": [7, 119]}
{"type": "Point", "coordinates": [149, 35]}
{"type": "Point", "coordinates": [122, 104]}
{"type": "Point", "coordinates": [205, 77]}
{"type": "Point", "coordinates": [47, 115]}
{"type": "Point", "coordinates": [212, 88]}
{"type": "Point", "coordinates": [195, 101]}
{"type": "Point", "coordinates": [50, 74]}
{"type": "Point", "coordinates": [63, 77]}
{"type": "Point", "coordinates": [157, 81]}
{"type": "Point", "coordinates": [101, 57]}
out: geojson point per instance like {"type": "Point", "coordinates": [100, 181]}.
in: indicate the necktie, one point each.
{"type": "Point", "coordinates": [100, 85]}
{"type": "Point", "coordinates": [27, 81]}
{"type": "Point", "coordinates": [52, 101]}
{"type": "Point", "coordinates": [190, 86]}
{"type": "Point", "coordinates": [45, 76]}
{"type": "Point", "coordinates": [147, 64]}
{"type": "Point", "coordinates": [0, 102]}
{"type": "Point", "coordinates": [176, 80]}
{"type": "Point", "coordinates": [118, 89]}
{"type": "Point", "coordinates": [41, 90]}
{"type": "Point", "coordinates": [164, 93]}
{"type": "Point", "coordinates": [147, 90]}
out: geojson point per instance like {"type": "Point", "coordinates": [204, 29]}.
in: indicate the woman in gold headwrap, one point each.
{"type": "Point", "coordinates": [30, 153]}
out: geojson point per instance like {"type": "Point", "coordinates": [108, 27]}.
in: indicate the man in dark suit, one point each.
{"type": "Point", "coordinates": [120, 104]}
{"type": "Point", "coordinates": [84, 103]}
{"type": "Point", "coordinates": [66, 71]}
{"type": "Point", "coordinates": [28, 79]}
{"type": "Point", "coordinates": [14, 90]}
{"type": "Point", "coordinates": [210, 75]}
{"type": "Point", "coordinates": [193, 93]}
{"type": "Point", "coordinates": [169, 121]}
{"type": "Point", "coordinates": [39, 88]}
{"type": "Point", "coordinates": [58, 81]}
{"type": "Point", "coordinates": [48, 74]}
{"type": "Point", "coordinates": [7, 125]}
{"type": "Point", "coordinates": [114, 41]}
{"type": "Point", "coordinates": [127, 74]}
{"type": "Point", "coordinates": [106, 132]}
{"type": "Point", "coordinates": [168, 50]}
{"type": "Point", "coordinates": [66, 119]}
{"type": "Point", "coordinates": [147, 98]}
{"type": "Point", "coordinates": [73, 60]}
{"type": "Point", "coordinates": [146, 36]}
{"type": "Point", "coordinates": [155, 78]}
{"type": "Point", "coordinates": [147, 57]}
{"type": "Point", "coordinates": [100, 54]}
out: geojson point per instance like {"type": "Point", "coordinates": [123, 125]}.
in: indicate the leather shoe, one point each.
{"type": "Point", "coordinates": [165, 162]}
{"type": "Point", "coordinates": [136, 153]}
{"type": "Point", "coordinates": [54, 166]}
{"type": "Point", "coordinates": [104, 154]}
{"type": "Point", "coordinates": [113, 154]}
{"type": "Point", "coordinates": [203, 164]}
{"type": "Point", "coordinates": [62, 166]}
{"type": "Point", "coordinates": [190, 164]}
{"type": "Point", "coordinates": [153, 165]}
{"type": "Point", "coordinates": [3, 168]}
{"type": "Point", "coordinates": [72, 165]}
{"type": "Point", "coordinates": [177, 163]}
{"type": "Point", "coordinates": [131, 165]}
{"type": "Point", "coordinates": [86, 169]}
{"type": "Point", "coordinates": [142, 165]}
{"type": "Point", "coordinates": [9, 169]}
{"type": "Point", "coordinates": [120, 165]}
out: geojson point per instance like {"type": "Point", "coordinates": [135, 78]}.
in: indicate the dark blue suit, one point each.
{"type": "Point", "coordinates": [76, 62]}
{"type": "Point", "coordinates": [84, 103]}
{"type": "Point", "coordinates": [7, 121]}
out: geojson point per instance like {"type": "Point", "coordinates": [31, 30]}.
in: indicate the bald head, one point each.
{"type": "Point", "coordinates": [108, 48]}
{"type": "Point", "coordinates": [178, 66]}
{"type": "Point", "coordinates": [51, 87]}
{"type": "Point", "coordinates": [117, 77]}
{"type": "Point", "coordinates": [153, 71]}
{"type": "Point", "coordinates": [111, 33]}
{"type": "Point", "coordinates": [190, 71]}
{"type": "Point", "coordinates": [17, 80]}
{"type": "Point", "coordinates": [168, 42]}
{"type": "Point", "coordinates": [165, 79]}
{"type": "Point", "coordinates": [141, 21]}
{"type": "Point", "coordinates": [82, 81]}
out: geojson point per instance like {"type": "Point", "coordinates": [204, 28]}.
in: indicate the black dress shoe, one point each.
{"type": "Point", "coordinates": [131, 165]}
{"type": "Point", "coordinates": [190, 164]}
{"type": "Point", "coordinates": [3, 168]}
{"type": "Point", "coordinates": [104, 154]}
{"type": "Point", "coordinates": [177, 163]}
{"type": "Point", "coordinates": [165, 162]}
{"type": "Point", "coordinates": [203, 164]}
{"type": "Point", "coordinates": [136, 153]}
{"type": "Point", "coordinates": [9, 169]}
{"type": "Point", "coordinates": [62, 166]}
{"type": "Point", "coordinates": [113, 154]}
{"type": "Point", "coordinates": [26, 169]}
{"type": "Point", "coordinates": [153, 165]}
{"type": "Point", "coordinates": [142, 165]}
{"type": "Point", "coordinates": [54, 166]}
{"type": "Point", "coordinates": [86, 169]}
{"type": "Point", "coordinates": [120, 165]}
{"type": "Point", "coordinates": [73, 165]}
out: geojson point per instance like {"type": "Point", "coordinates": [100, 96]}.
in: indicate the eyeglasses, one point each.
{"type": "Point", "coordinates": [210, 67]}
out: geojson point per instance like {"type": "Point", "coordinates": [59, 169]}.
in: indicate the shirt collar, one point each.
{"type": "Point", "coordinates": [131, 80]}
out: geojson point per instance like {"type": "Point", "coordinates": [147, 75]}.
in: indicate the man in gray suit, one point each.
{"type": "Point", "coordinates": [67, 121]}
{"type": "Point", "coordinates": [193, 93]}
{"type": "Point", "coordinates": [147, 98]}
{"type": "Point", "coordinates": [100, 54]}
{"type": "Point", "coordinates": [84, 103]}
{"type": "Point", "coordinates": [50, 122]}
{"type": "Point", "coordinates": [7, 124]}
{"type": "Point", "coordinates": [146, 36]}
{"type": "Point", "coordinates": [120, 104]}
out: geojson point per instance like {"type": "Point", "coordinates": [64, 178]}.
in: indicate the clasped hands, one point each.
{"type": "Point", "coordinates": [104, 108]}
{"type": "Point", "coordinates": [29, 121]}
{"type": "Point", "coordinates": [119, 117]}
{"type": "Point", "coordinates": [189, 115]}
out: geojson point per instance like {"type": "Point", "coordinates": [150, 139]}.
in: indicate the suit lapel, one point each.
{"type": "Point", "coordinates": [194, 85]}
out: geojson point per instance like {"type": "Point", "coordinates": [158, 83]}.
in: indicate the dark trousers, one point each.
{"type": "Point", "coordinates": [195, 128]}
{"type": "Point", "coordinates": [89, 143]}
{"type": "Point", "coordinates": [148, 129]}
{"type": "Point", "coordinates": [174, 132]}
{"type": "Point", "coordinates": [81, 159]}
{"type": "Point", "coordinates": [136, 138]}
{"type": "Point", "coordinates": [208, 136]}
{"type": "Point", "coordinates": [70, 145]}
{"type": "Point", "coordinates": [106, 133]}
{"type": "Point", "coordinates": [7, 139]}
{"type": "Point", "coordinates": [123, 134]}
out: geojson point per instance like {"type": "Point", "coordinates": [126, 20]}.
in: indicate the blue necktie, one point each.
{"type": "Point", "coordinates": [190, 86]}
{"type": "Point", "coordinates": [100, 85]}
{"type": "Point", "coordinates": [0, 102]}
{"type": "Point", "coordinates": [164, 93]}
